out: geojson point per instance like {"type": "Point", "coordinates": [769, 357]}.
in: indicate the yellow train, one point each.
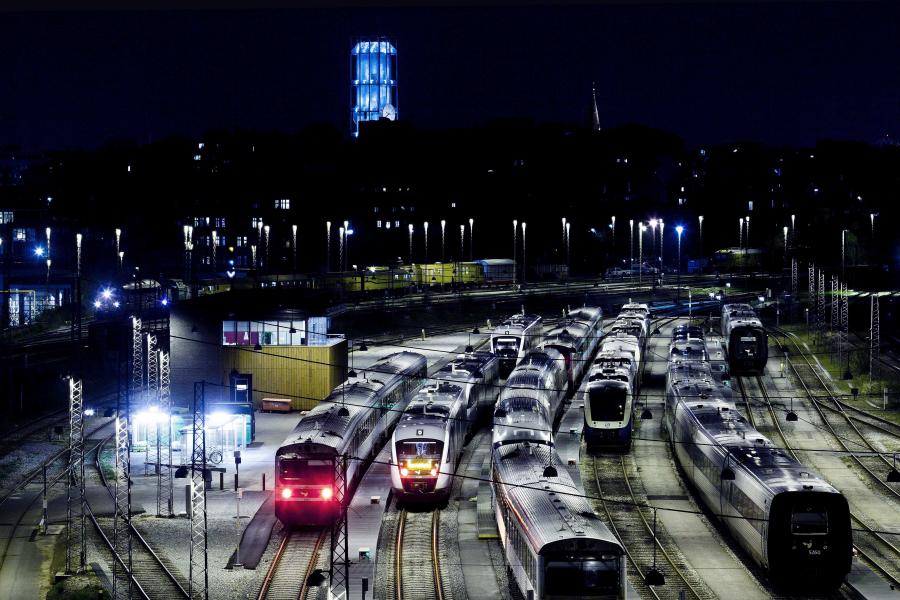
{"type": "Point", "coordinates": [421, 276]}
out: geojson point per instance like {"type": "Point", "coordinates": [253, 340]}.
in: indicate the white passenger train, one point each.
{"type": "Point", "coordinates": [428, 440]}
{"type": "Point", "coordinates": [786, 517]}
{"type": "Point", "coordinates": [576, 337]}
{"type": "Point", "coordinates": [514, 337]}
{"type": "Point", "coordinates": [745, 338]}
{"type": "Point", "coordinates": [354, 421]}
{"type": "Point", "coordinates": [555, 545]}
{"type": "Point", "coordinates": [614, 381]}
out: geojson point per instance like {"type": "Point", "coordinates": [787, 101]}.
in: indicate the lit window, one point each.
{"type": "Point", "coordinates": [196, 157]}
{"type": "Point", "coordinates": [396, 223]}
{"type": "Point", "coordinates": [220, 221]}
{"type": "Point", "coordinates": [453, 205]}
{"type": "Point", "coordinates": [19, 234]}
{"type": "Point", "coordinates": [257, 221]}
{"type": "Point", "coordinates": [283, 203]}
{"type": "Point", "coordinates": [378, 224]}
{"type": "Point", "coordinates": [6, 217]}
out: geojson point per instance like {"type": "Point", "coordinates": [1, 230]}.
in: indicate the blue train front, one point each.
{"type": "Point", "coordinates": [608, 417]}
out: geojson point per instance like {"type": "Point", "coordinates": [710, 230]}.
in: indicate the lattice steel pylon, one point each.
{"type": "Point", "coordinates": [165, 505]}
{"type": "Point", "coordinates": [835, 310]}
{"type": "Point", "coordinates": [122, 587]}
{"type": "Point", "coordinates": [874, 334]}
{"type": "Point", "coordinates": [340, 554]}
{"type": "Point", "coordinates": [75, 540]}
{"type": "Point", "coordinates": [198, 575]}
{"type": "Point", "coordinates": [152, 369]}
{"type": "Point", "coordinates": [844, 335]}
{"type": "Point", "coordinates": [137, 357]}
{"type": "Point", "coordinates": [820, 318]}
{"type": "Point", "coordinates": [811, 287]}
{"type": "Point", "coordinates": [795, 298]}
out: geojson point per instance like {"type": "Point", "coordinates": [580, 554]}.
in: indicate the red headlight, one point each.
{"type": "Point", "coordinates": [286, 493]}
{"type": "Point", "coordinates": [326, 493]}
{"type": "Point", "coordinates": [404, 472]}
{"type": "Point", "coordinates": [434, 472]}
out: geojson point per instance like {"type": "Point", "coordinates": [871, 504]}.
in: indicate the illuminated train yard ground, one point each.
{"type": "Point", "coordinates": [616, 459]}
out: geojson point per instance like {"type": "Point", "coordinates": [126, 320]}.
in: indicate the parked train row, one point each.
{"type": "Point", "coordinates": [614, 380]}
{"type": "Point", "coordinates": [554, 543]}
{"type": "Point", "coordinates": [785, 516]}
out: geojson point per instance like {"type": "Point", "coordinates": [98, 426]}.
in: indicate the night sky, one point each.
{"type": "Point", "coordinates": [778, 73]}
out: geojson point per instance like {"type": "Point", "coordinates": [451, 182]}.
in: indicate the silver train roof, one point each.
{"type": "Point", "coordinates": [553, 507]}
{"type": "Point", "coordinates": [428, 412]}
{"type": "Point", "coordinates": [516, 324]}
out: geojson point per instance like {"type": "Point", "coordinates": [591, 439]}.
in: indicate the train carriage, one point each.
{"type": "Point", "coordinates": [576, 338]}
{"type": "Point", "coordinates": [354, 421]}
{"type": "Point", "coordinates": [745, 338]}
{"type": "Point", "coordinates": [786, 517]}
{"type": "Point", "coordinates": [556, 546]}
{"type": "Point", "coordinates": [514, 338]}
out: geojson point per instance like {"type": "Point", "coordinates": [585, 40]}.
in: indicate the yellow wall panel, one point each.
{"type": "Point", "coordinates": [303, 374]}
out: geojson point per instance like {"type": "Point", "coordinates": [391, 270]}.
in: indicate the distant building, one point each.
{"type": "Point", "coordinates": [373, 79]}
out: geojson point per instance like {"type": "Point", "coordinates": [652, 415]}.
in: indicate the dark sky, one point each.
{"type": "Point", "coordinates": [780, 73]}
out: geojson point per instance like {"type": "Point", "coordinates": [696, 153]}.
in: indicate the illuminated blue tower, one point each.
{"type": "Point", "coordinates": [373, 75]}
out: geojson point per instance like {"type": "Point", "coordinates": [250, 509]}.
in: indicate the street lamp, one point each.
{"type": "Point", "coordinates": [48, 242]}
{"type": "Point", "coordinates": [425, 226]}
{"type": "Point", "coordinates": [740, 234]}
{"type": "Point", "coordinates": [327, 246]}
{"type": "Point", "coordinates": [568, 247]}
{"type": "Point", "coordinates": [471, 239]}
{"type": "Point", "coordinates": [641, 229]}
{"type": "Point", "coordinates": [443, 228]}
{"type": "Point", "coordinates": [614, 232]}
{"type": "Point", "coordinates": [653, 224]}
{"type": "Point", "coordinates": [679, 230]}
{"type": "Point", "coordinates": [294, 244]}
{"type": "Point", "coordinates": [524, 260]}
{"type": "Point", "coordinates": [346, 245]}
{"type": "Point", "coordinates": [843, 252]}
{"type": "Point", "coordinates": [700, 218]}
{"type": "Point", "coordinates": [662, 227]}
{"type": "Point", "coordinates": [631, 245]}
{"type": "Point", "coordinates": [785, 229]}
{"type": "Point", "coordinates": [747, 236]}
{"type": "Point", "coordinates": [410, 243]}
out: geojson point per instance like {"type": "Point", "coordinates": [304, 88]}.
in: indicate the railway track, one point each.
{"type": "Point", "coordinates": [32, 483]}
{"type": "Point", "coordinates": [626, 519]}
{"type": "Point", "coordinates": [294, 561]}
{"type": "Point", "coordinates": [417, 569]}
{"type": "Point", "coordinates": [875, 548]}
{"type": "Point", "coordinates": [152, 578]}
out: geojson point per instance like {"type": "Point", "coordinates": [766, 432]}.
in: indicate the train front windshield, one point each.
{"type": "Point", "coordinates": [748, 345]}
{"type": "Point", "coordinates": [579, 578]}
{"type": "Point", "coordinates": [301, 470]}
{"type": "Point", "coordinates": [412, 452]}
{"type": "Point", "coordinates": [608, 404]}
{"type": "Point", "coordinates": [809, 520]}
{"type": "Point", "coordinates": [506, 347]}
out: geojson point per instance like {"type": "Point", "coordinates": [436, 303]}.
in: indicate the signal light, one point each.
{"type": "Point", "coordinates": [327, 493]}
{"type": "Point", "coordinates": [286, 493]}
{"type": "Point", "coordinates": [434, 472]}
{"type": "Point", "coordinates": [404, 472]}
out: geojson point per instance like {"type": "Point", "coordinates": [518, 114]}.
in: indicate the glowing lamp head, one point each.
{"type": "Point", "coordinates": [286, 493]}
{"type": "Point", "coordinates": [404, 472]}
{"type": "Point", "coordinates": [679, 230]}
{"type": "Point", "coordinates": [116, 304]}
{"type": "Point", "coordinates": [96, 304]}
{"type": "Point", "coordinates": [327, 493]}
{"type": "Point", "coordinates": [39, 251]}
{"type": "Point", "coordinates": [107, 293]}
{"type": "Point", "coordinates": [165, 301]}
{"type": "Point", "coordinates": [434, 472]}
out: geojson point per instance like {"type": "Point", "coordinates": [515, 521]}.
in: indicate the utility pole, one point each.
{"type": "Point", "coordinates": [198, 574]}
{"type": "Point", "coordinates": [340, 553]}
{"type": "Point", "coordinates": [122, 580]}
{"type": "Point", "coordinates": [75, 540]}
{"type": "Point", "coordinates": [164, 484]}
{"type": "Point", "coordinates": [874, 334]}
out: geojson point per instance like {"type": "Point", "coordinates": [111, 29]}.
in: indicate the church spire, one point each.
{"type": "Point", "coordinates": [595, 115]}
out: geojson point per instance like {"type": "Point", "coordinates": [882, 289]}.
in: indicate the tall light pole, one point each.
{"type": "Point", "coordinates": [563, 232]}
{"type": "Point", "coordinates": [346, 245]}
{"type": "Point", "coordinates": [747, 236]}
{"type": "Point", "coordinates": [785, 244]}
{"type": "Point", "coordinates": [471, 239]}
{"type": "Point", "coordinates": [794, 229]}
{"type": "Point", "coordinates": [614, 233]}
{"type": "Point", "coordinates": [641, 229]}
{"type": "Point", "coordinates": [425, 227]}
{"type": "Point", "coordinates": [119, 239]}
{"type": "Point", "coordinates": [294, 244]}
{"type": "Point", "coordinates": [843, 253]}
{"type": "Point", "coordinates": [515, 247]}
{"type": "Point", "coordinates": [631, 245]}
{"type": "Point", "coordinates": [700, 241]}
{"type": "Point", "coordinates": [679, 230]}
{"type": "Point", "coordinates": [740, 234]}
{"type": "Point", "coordinates": [568, 247]}
{"type": "Point", "coordinates": [266, 229]}
{"type": "Point", "coordinates": [662, 228]}
{"type": "Point", "coordinates": [341, 238]}
{"type": "Point", "coordinates": [443, 230]}
{"type": "Point", "coordinates": [524, 259]}
{"type": "Point", "coordinates": [653, 224]}
{"type": "Point", "coordinates": [327, 246]}
{"type": "Point", "coordinates": [411, 243]}
{"type": "Point", "coordinates": [215, 240]}
{"type": "Point", "coordinates": [48, 242]}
